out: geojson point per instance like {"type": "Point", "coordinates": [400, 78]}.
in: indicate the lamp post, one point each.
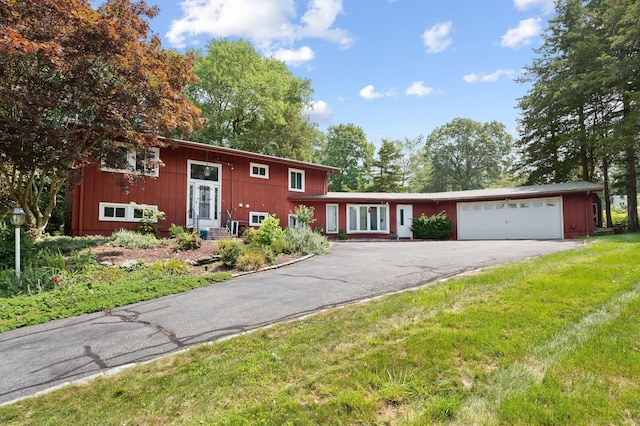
{"type": "Point", "coordinates": [17, 219]}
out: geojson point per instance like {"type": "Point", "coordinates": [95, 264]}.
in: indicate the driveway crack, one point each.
{"type": "Point", "coordinates": [131, 316]}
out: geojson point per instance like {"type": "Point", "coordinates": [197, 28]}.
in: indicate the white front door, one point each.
{"type": "Point", "coordinates": [203, 196]}
{"type": "Point", "coordinates": [404, 219]}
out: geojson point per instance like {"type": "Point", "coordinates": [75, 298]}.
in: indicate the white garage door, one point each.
{"type": "Point", "coordinates": [538, 218]}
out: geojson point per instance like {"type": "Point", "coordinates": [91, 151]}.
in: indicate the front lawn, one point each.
{"type": "Point", "coordinates": [551, 340]}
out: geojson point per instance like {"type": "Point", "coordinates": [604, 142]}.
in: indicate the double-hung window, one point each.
{"type": "Point", "coordinates": [129, 160]}
{"type": "Point", "coordinates": [296, 180]}
{"type": "Point", "coordinates": [368, 218]}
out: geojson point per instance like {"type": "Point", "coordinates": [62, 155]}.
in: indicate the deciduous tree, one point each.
{"type": "Point", "coordinates": [74, 82]}
{"type": "Point", "coordinates": [251, 102]}
{"type": "Point", "coordinates": [347, 148]}
{"type": "Point", "coordinates": [465, 154]}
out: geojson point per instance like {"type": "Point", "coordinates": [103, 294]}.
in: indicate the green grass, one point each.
{"type": "Point", "coordinates": [551, 340]}
{"type": "Point", "coordinates": [100, 289]}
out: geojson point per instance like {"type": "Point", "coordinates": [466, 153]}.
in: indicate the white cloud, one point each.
{"type": "Point", "coordinates": [369, 93]}
{"type": "Point", "coordinates": [489, 78]}
{"type": "Point", "coordinates": [318, 22]}
{"type": "Point", "coordinates": [271, 25]}
{"type": "Point", "coordinates": [437, 37]}
{"type": "Point", "coordinates": [251, 19]}
{"type": "Point", "coordinates": [418, 88]}
{"type": "Point", "coordinates": [546, 5]}
{"type": "Point", "coordinates": [295, 57]}
{"type": "Point", "coordinates": [522, 35]}
{"type": "Point", "coordinates": [319, 112]}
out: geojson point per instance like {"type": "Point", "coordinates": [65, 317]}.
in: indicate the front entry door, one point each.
{"type": "Point", "coordinates": [203, 203]}
{"type": "Point", "coordinates": [404, 218]}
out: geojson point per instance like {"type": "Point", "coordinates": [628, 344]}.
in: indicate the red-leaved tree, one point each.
{"type": "Point", "coordinates": [74, 82]}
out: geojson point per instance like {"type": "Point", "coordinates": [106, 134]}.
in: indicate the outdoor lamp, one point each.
{"type": "Point", "coordinates": [17, 219]}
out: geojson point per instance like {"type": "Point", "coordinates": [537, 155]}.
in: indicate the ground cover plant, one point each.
{"type": "Point", "coordinates": [62, 277]}
{"type": "Point", "coordinates": [550, 340]}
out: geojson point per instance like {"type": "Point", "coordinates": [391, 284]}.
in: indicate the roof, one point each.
{"type": "Point", "coordinates": [474, 194]}
{"type": "Point", "coordinates": [252, 155]}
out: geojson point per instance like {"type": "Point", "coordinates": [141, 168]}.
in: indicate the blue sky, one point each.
{"type": "Point", "coordinates": [396, 68]}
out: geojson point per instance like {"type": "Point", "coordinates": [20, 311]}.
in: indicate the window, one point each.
{"type": "Point", "coordinates": [259, 170]}
{"type": "Point", "coordinates": [256, 218]}
{"type": "Point", "coordinates": [204, 171]}
{"type": "Point", "coordinates": [368, 218]}
{"type": "Point", "coordinates": [332, 219]}
{"type": "Point", "coordinates": [120, 212]}
{"type": "Point", "coordinates": [129, 160]}
{"type": "Point", "coordinates": [293, 221]}
{"type": "Point", "coordinates": [296, 180]}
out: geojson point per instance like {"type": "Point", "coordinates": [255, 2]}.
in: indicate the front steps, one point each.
{"type": "Point", "coordinates": [218, 233]}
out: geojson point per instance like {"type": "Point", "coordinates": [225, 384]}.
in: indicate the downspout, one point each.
{"type": "Point", "coordinates": [81, 210]}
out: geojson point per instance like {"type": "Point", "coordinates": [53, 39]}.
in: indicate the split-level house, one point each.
{"type": "Point", "coordinates": [206, 187]}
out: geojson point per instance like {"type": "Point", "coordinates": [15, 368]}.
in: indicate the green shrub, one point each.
{"type": "Point", "coordinates": [65, 244]}
{"type": "Point", "coordinates": [250, 235]}
{"type": "Point", "coordinates": [251, 260]}
{"type": "Point", "coordinates": [305, 241]}
{"type": "Point", "coordinates": [175, 230]}
{"type": "Point", "coordinates": [169, 267]}
{"type": "Point", "coordinates": [130, 239]}
{"type": "Point", "coordinates": [436, 227]}
{"type": "Point", "coordinates": [269, 232]}
{"type": "Point", "coordinates": [149, 218]}
{"type": "Point", "coordinates": [342, 236]}
{"type": "Point", "coordinates": [619, 219]}
{"type": "Point", "coordinates": [304, 215]}
{"type": "Point", "coordinates": [188, 241]}
{"type": "Point", "coordinates": [230, 251]}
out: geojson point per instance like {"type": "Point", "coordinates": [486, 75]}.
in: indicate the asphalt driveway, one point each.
{"type": "Point", "coordinates": [40, 357]}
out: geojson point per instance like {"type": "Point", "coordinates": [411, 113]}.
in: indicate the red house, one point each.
{"type": "Point", "coordinates": [207, 187]}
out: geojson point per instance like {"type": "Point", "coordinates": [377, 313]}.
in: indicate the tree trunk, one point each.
{"type": "Point", "coordinates": [632, 187]}
{"type": "Point", "coordinates": [630, 165]}
{"type": "Point", "coordinates": [607, 193]}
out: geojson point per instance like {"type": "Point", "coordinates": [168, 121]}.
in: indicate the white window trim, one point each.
{"type": "Point", "coordinates": [289, 180]}
{"type": "Point", "coordinates": [131, 161]}
{"type": "Point", "coordinates": [358, 231]}
{"type": "Point", "coordinates": [327, 219]}
{"type": "Point", "coordinates": [204, 163]}
{"type": "Point", "coordinates": [262, 166]}
{"type": "Point", "coordinates": [293, 218]}
{"type": "Point", "coordinates": [251, 214]}
{"type": "Point", "coordinates": [129, 212]}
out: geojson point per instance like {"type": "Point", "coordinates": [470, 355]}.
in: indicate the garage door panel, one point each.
{"type": "Point", "coordinates": [517, 219]}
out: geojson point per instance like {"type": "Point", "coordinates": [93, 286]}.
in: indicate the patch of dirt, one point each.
{"type": "Point", "coordinates": [208, 249]}
{"type": "Point", "coordinates": [117, 255]}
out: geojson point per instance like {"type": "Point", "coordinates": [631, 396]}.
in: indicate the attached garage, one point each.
{"type": "Point", "coordinates": [551, 211]}
{"type": "Point", "coordinates": [534, 218]}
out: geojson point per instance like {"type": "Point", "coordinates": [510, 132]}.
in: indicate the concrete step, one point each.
{"type": "Point", "coordinates": [218, 233]}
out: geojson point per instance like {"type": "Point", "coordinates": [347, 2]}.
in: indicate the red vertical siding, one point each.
{"type": "Point", "coordinates": [240, 193]}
